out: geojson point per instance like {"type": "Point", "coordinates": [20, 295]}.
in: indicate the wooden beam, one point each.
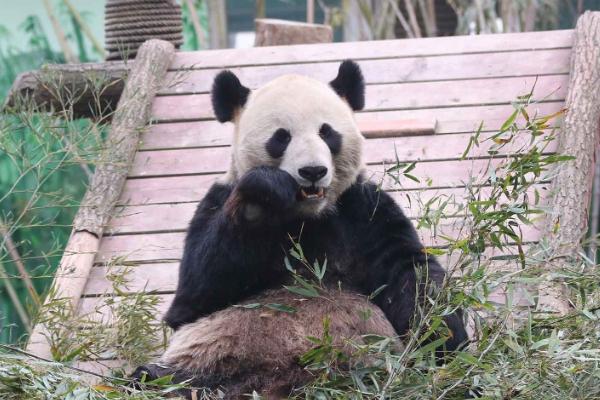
{"type": "Point", "coordinates": [71, 88]}
{"type": "Point", "coordinates": [131, 117]}
{"type": "Point", "coordinates": [395, 128]}
{"type": "Point", "coordinates": [277, 32]}
{"type": "Point", "coordinates": [579, 137]}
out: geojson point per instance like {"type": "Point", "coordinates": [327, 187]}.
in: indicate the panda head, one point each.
{"type": "Point", "coordinates": [300, 125]}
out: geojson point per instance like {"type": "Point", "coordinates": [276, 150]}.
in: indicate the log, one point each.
{"type": "Point", "coordinates": [60, 87]}
{"type": "Point", "coordinates": [131, 117]}
{"type": "Point", "coordinates": [277, 32]}
{"type": "Point", "coordinates": [579, 137]}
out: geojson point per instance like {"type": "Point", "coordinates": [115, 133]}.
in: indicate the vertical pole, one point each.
{"type": "Point", "coordinates": [572, 185]}
{"type": "Point", "coordinates": [310, 11]}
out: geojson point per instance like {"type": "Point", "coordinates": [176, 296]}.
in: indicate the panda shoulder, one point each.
{"type": "Point", "coordinates": [217, 194]}
{"type": "Point", "coordinates": [367, 198]}
{"type": "Point", "coordinates": [213, 201]}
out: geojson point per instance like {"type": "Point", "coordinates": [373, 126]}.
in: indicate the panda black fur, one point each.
{"type": "Point", "coordinates": [296, 174]}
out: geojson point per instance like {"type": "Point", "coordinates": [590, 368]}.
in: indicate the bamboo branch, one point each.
{"type": "Point", "coordinates": [200, 35]}
{"type": "Point", "coordinates": [310, 11]}
{"type": "Point", "coordinates": [402, 19]}
{"type": "Point", "coordinates": [412, 17]}
{"type": "Point", "coordinates": [85, 28]}
{"type": "Point", "coordinates": [432, 17]}
{"type": "Point", "coordinates": [14, 298]}
{"type": "Point", "coordinates": [425, 17]}
{"type": "Point", "coordinates": [60, 34]}
{"type": "Point", "coordinates": [14, 254]}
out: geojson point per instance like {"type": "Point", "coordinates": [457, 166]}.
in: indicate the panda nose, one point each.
{"type": "Point", "coordinates": [313, 174]}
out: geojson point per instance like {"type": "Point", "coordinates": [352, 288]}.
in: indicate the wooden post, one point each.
{"type": "Point", "coordinates": [310, 11]}
{"type": "Point", "coordinates": [131, 117]}
{"type": "Point", "coordinates": [277, 32]}
{"type": "Point", "coordinates": [217, 23]}
{"type": "Point", "coordinates": [579, 137]}
{"type": "Point", "coordinates": [77, 82]}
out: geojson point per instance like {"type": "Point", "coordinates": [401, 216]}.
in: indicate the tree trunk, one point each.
{"type": "Point", "coordinates": [131, 117]}
{"type": "Point", "coordinates": [567, 225]}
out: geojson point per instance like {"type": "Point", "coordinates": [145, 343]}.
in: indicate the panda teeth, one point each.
{"type": "Point", "coordinates": [315, 193]}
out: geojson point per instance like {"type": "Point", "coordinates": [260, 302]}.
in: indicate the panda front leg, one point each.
{"type": "Point", "coordinates": [396, 259]}
{"type": "Point", "coordinates": [231, 243]}
{"type": "Point", "coordinates": [412, 282]}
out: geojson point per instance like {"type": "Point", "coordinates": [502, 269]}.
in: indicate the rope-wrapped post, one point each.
{"type": "Point", "coordinates": [129, 23]}
{"type": "Point", "coordinates": [131, 117]}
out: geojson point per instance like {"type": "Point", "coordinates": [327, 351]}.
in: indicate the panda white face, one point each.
{"type": "Point", "coordinates": [299, 125]}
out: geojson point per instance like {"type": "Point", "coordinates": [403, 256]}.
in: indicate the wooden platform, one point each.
{"type": "Point", "coordinates": [424, 99]}
{"type": "Point", "coordinates": [451, 83]}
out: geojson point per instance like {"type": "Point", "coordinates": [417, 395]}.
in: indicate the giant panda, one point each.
{"type": "Point", "coordinates": [296, 176]}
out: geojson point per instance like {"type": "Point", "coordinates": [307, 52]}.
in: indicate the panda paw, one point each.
{"type": "Point", "coordinates": [263, 193]}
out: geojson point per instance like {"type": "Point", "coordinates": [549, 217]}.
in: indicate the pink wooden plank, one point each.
{"type": "Point", "coordinates": [399, 96]}
{"type": "Point", "coordinates": [376, 151]}
{"type": "Point", "coordinates": [163, 247]}
{"type": "Point", "coordinates": [102, 367]}
{"type": "Point", "coordinates": [396, 128]}
{"type": "Point", "coordinates": [95, 308]}
{"type": "Point", "coordinates": [147, 277]}
{"type": "Point", "coordinates": [373, 49]}
{"type": "Point", "coordinates": [176, 217]}
{"type": "Point", "coordinates": [166, 189]}
{"type": "Point", "coordinates": [449, 120]}
{"type": "Point", "coordinates": [394, 70]}
{"type": "Point", "coordinates": [162, 277]}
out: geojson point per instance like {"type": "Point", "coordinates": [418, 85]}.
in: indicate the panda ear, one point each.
{"type": "Point", "coordinates": [350, 85]}
{"type": "Point", "coordinates": [228, 95]}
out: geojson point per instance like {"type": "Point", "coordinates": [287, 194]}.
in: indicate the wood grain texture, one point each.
{"type": "Point", "coordinates": [374, 49]}
{"type": "Point", "coordinates": [277, 32]}
{"type": "Point", "coordinates": [95, 308]}
{"type": "Point", "coordinates": [176, 216]}
{"type": "Point", "coordinates": [580, 136]}
{"type": "Point", "coordinates": [377, 152]}
{"type": "Point", "coordinates": [167, 247]}
{"type": "Point", "coordinates": [389, 70]}
{"type": "Point", "coordinates": [51, 83]}
{"type": "Point", "coordinates": [133, 113]}
{"type": "Point", "coordinates": [448, 120]}
{"type": "Point", "coordinates": [162, 277]}
{"type": "Point", "coordinates": [69, 281]}
{"type": "Point", "coordinates": [400, 96]}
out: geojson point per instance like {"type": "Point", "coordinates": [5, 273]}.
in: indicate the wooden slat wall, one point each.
{"type": "Point", "coordinates": [456, 82]}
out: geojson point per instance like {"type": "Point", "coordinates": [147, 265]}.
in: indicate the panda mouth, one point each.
{"type": "Point", "coordinates": [311, 193]}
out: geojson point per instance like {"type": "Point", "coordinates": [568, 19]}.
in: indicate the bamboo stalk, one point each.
{"type": "Point", "coordinates": [60, 34]}
{"type": "Point", "coordinates": [12, 293]}
{"type": "Point", "coordinates": [217, 23]}
{"type": "Point", "coordinates": [14, 254]}
{"type": "Point", "coordinates": [202, 40]}
{"type": "Point", "coordinates": [310, 11]}
{"type": "Point", "coordinates": [85, 28]}
{"type": "Point", "coordinates": [412, 17]}
{"type": "Point", "coordinates": [432, 17]}
{"type": "Point", "coordinates": [402, 20]}
{"type": "Point", "coordinates": [425, 17]}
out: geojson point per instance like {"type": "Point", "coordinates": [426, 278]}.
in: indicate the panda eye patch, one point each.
{"type": "Point", "coordinates": [277, 144]}
{"type": "Point", "coordinates": [331, 137]}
